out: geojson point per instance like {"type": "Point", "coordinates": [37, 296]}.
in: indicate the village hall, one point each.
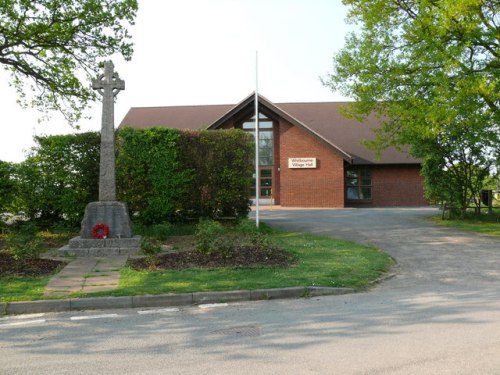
{"type": "Point", "coordinates": [310, 155]}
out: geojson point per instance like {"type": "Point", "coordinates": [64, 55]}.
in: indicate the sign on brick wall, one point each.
{"type": "Point", "coordinates": [301, 162]}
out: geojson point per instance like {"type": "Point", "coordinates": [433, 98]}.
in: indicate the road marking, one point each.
{"type": "Point", "coordinates": [23, 322]}
{"type": "Point", "coordinates": [87, 317]}
{"type": "Point", "coordinates": [210, 305]}
{"type": "Point", "coordinates": [23, 316]}
{"type": "Point", "coordinates": [157, 311]}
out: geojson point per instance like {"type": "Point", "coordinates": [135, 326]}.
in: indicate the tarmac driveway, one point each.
{"type": "Point", "coordinates": [428, 256]}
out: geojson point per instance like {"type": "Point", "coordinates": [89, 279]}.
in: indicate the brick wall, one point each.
{"type": "Point", "coordinates": [324, 186]}
{"type": "Point", "coordinates": [395, 185]}
{"type": "Point", "coordinates": [319, 187]}
{"type": "Point", "coordinates": [398, 186]}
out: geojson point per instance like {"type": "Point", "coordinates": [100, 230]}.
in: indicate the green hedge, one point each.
{"type": "Point", "coordinates": [222, 170]}
{"type": "Point", "coordinates": [168, 174]}
{"type": "Point", "coordinates": [162, 174]}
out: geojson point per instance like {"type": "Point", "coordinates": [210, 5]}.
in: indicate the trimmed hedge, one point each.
{"type": "Point", "coordinates": [168, 174]}
{"type": "Point", "coordinates": [222, 172]}
{"type": "Point", "coordinates": [162, 174]}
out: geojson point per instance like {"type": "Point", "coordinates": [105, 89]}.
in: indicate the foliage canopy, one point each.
{"type": "Point", "coordinates": [431, 70]}
{"type": "Point", "coordinates": [51, 46]}
{"type": "Point", "coordinates": [59, 178]}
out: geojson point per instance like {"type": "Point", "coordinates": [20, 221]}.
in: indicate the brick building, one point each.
{"type": "Point", "coordinates": [310, 156]}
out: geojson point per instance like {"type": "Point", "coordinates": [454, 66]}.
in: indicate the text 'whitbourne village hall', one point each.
{"type": "Point", "coordinates": [310, 156]}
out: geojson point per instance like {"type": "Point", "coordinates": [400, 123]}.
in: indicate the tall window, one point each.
{"type": "Point", "coordinates": [359, 185]}
{"type": "Point", "coordinates": [266, 154]}
{"type": "Point", "coordinates": [266, 142]}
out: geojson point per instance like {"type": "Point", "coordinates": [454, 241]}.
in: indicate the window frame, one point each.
{"type": "Point", "coordinates": [362, 175]}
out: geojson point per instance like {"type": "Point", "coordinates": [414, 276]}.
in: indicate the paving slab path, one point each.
{"type": "Point", "coordinates": [87, 274]}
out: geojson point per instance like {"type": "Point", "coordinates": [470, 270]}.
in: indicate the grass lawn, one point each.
{"type": "Point", "coordinates": [486, 224]}
{"type": "Point", "coordinates": [22, 288]}
{"type": "Point", "coordinates": [321, 261]}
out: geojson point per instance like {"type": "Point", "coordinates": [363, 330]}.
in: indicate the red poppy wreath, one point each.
{"type": "Point", "coordinates": [100, 231]}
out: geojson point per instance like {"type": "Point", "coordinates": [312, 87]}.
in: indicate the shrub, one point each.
{"type": "Point", "coordinates": [151, 248]}
{"type": "Point", "coordinates": [207, 236]}
{"type": "Point", "coordinates": [213, 238]}
{"type": "Point", "coordinates": [24, 243]}
{"type": "Point", "coordinates": [59, 178]}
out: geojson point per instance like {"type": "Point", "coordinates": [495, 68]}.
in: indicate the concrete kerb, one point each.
{"type": "Point", "coordinates": [99, 303]}
{"type": "Point", "coordinates": [292, 292]}
{"type": "Point", "coordinates": [162, 300]}
{"type": "Point", "coordinates": [30, 307]}
{"type": "Point", "coordinates": [3, 308]}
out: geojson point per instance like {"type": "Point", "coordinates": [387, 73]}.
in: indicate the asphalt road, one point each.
{"type": "Point", "coordinates": [439, 315]}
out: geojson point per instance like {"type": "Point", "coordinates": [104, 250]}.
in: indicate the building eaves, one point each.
{"type": "Point", "coordinates": [282, 113]}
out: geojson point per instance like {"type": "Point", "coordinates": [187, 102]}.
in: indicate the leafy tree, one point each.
{"type": "Point", "coordinates": [456, 165]}
{"type": "Point", "coordinates": [7, 186]}
{"type": "Point", "coordinates": [51, 46]}
{"type": "Point", "coordinates": [59, 178]}
{"type": "Point", "coordinates": [431, 70]}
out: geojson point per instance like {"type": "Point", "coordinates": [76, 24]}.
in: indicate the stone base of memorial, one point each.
{"type": "Point", "coordinates": [106, 230]}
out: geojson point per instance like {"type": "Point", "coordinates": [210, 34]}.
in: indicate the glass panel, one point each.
{"type": "Point", "coordinates": [261, 116]}
{"type": "Point", "coordinates": [352, 174]}
{"type": "Point", "coordinates": [366, 193]}
{"type": "Point", "coordinates": [366, 181]}
{"type": "Point", "coordinates": [249, 125]}
{"type": "Point", "coordinates": [265, 182]}
{"type": "Point", "coordinates": [266, 148]}
{"type": "Point", "coordinates": [266, 192]}
{"type": "Point", "coordinates": [266, 173]}
{"type": "Point", "coordinates": [352, 181]}
{"type": "Point", "coordinates": [365, 173]}
{"type": "Point", "coordinates": [265, 124]}
{"type": "Point", "coordinates": [265, 160]}
{"type": "Point", "coordinates": [352, 193]}
{"type": "Point", "coordinates": [266, 143]}
{"type": "Point", "coordinates": [265, 135]}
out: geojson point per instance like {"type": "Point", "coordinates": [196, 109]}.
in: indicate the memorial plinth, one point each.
{"type": "Point", "coordinates": [106, 226]}
{"type": "Point", "coordinates": [119, 241]}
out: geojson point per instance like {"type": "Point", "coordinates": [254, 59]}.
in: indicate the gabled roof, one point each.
{"type": "Point", "coordinates": [177, 117]}
{"type": "Point", "coordinates": [320, 119]}
{"type": "Point", "coordinates": [263, 102]}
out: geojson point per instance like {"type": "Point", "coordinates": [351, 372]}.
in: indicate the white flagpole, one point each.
{"type": "Point", "coordinates": [257, 187]}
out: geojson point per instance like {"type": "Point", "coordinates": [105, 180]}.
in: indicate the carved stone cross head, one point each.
{"type": "Point", "coordinates": [108, 83]}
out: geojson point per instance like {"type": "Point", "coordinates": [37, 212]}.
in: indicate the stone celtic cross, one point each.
{"type": "Point", "coordinates": [108, 214]}
{"type": "Point", "coordinates": [108, 85]}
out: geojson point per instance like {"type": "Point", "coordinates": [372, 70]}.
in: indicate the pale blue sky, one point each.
{"type": "Point", "coordinates": [203, 52]}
